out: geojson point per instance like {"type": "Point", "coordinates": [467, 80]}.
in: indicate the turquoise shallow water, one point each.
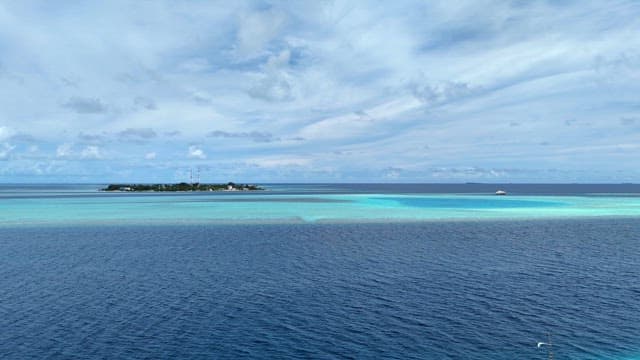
{"type": "Point", "coordinates": [96, 207]}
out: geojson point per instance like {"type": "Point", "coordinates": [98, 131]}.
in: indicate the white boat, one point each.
{"type": "Point", "coordinates": [501, 192]}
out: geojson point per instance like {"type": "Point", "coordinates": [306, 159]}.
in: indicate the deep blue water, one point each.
{"type": "Point", "coordinates": [437, 290]}
{"type": "Point", "coordinates": [469, 188]}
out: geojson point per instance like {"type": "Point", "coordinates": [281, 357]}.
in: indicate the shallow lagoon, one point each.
{"type": "Point", "coordinates": [265, 208]}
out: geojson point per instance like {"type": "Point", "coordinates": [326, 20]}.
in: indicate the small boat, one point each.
{"type": "Point", "coordinates": [501, 192]}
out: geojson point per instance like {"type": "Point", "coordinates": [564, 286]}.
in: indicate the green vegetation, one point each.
{"type": "Point", "coordinates": [182, 187]}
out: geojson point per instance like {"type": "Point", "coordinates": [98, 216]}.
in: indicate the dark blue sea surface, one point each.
{"type": "Point", "coordinates": [436, 290]}
{"type": "Point", "coordinates": [468, 188]}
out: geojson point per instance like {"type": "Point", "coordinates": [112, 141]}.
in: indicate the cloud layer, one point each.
{"type": "Point", "coordinates": [320, 91]}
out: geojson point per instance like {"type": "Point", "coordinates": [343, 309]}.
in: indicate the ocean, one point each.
{"type": "Point", "coordinates": [321, 271]}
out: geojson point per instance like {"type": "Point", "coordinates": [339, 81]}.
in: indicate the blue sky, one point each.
{"type": "Point", "coordinates": [320, 91]}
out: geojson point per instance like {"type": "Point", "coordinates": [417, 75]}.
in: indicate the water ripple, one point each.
{"type": "Point", "coordinates": [481, 290]}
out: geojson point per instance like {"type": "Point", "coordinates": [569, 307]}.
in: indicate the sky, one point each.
{"type": "Point", "coordinates": [320, 91]}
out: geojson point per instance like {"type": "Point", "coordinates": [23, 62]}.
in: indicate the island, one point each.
{"type": "Point", "coordinates": [182, 187]}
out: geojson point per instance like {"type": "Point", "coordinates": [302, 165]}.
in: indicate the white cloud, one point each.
{"type": "Point", "coordinates": [195, 65]}
{"type": "Point", "coordinates": [275, 83]}
{"type": "Point", "coordinates": [67, 151]}
{"type": "Point", "coordinates": [91, 152]}
{"type": "Point", "coordinates": [278, 161]}
{"type": "Point", "coordinates": [366, 86]}
{"type": "Point", "coordinates": [150, 156]}
{"type": "Point", "coordinates": [196, 152]}
{"type": "Point", "coordinates": [392, 173]}
{"type": "Point", "coordinates": [361, 122]}
{"type": "Point", "coordinates": [5, 150]}
{"type": "Point", "coordinates": [5, 133]}
{"type": "Point", "coordinates": [256, 30]}
{"type": "Point", "coordinates": [64, 150]}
